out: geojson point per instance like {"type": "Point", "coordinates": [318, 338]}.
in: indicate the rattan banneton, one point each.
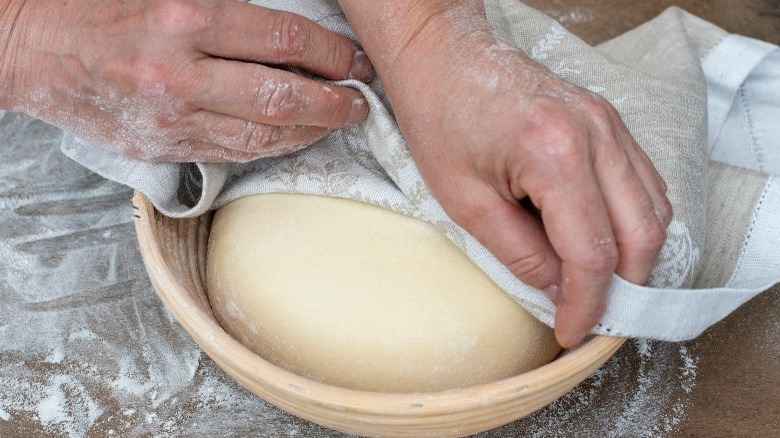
{"type": "Point", "coordinates": [174, 252]}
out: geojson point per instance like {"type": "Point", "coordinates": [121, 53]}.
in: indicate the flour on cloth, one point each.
{"type": "Point", "coordinates": [722, 245]}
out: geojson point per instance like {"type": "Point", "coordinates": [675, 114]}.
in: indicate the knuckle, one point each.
{"type": "Point", "coordinates": [149, 73]}
{"type": "Point", "coordinates": [164, 122]}
{"type": "Point", "coordinates": [153, 125]}
{"type": "Point", "coordinates": [529, 267]}
{"type": "Point", "coordinates": [290, 36]}
{"type": "Point", "coordinates": [558, 133]}
{"type": "Point", "coordinates": [598, 106]}
{"type": "Point", "coordinates": [602, 257]}
{"type": "Point", "coordinates": [156, 77]}
{"type": "Point", "coordinates": [469, 211]}
{"type": "Point", "coordinates": [595, 102]}
{"type": "Point", "coordinates": [653, 234]}
{"type": "Point", "coordinates": [260, 138]}
{"type": "Point", "coordinates": [178, 16]}
{"type": "Point", "coordinates": [337, 105]}
{"type": "Point", "coordinates": [650, 236]}
{"type": "Point", "coordinates": [599, 112]}
{"type": "Point", "coordinates": [565, 145]}
{"type": "Point", "coordinates": [339, 57]}
{"type": "Point", "coordinates": [278, 101]}
{"type": "Point", "coordinates": [336, 116]}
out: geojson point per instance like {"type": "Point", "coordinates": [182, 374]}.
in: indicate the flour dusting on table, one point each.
{"type": "Point", "coordinates": [87, 348]}
{"type": "Point", "coordinates": [642, 391]}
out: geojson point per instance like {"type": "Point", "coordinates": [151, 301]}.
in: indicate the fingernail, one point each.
{"type": "Point", "coordinates": [359, 111]}
{"type": "Point", "coordinates": [361, 68]}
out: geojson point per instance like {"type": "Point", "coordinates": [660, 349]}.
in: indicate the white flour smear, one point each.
{"type": "Point", "coordinates": [640, 392]}
{"type": "Point", "coordinates": [87, 348]}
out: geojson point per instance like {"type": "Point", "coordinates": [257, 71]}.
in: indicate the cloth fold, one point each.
{"type": "Point", "coordinates": [722, 244]}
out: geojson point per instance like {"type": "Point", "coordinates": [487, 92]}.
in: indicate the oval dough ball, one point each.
{"type": "Point", "coordinates": [362, 297]}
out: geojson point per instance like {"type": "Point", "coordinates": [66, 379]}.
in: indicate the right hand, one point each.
{"type": "Point", "coordinates": [178, 80]}
{"type": "Point", "coordinates": [490, 130]}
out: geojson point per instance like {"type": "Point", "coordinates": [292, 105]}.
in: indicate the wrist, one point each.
{"type": "Point", "coordinates": [12, 43]}
{"type": "Point", "coordinates": [396, 30]}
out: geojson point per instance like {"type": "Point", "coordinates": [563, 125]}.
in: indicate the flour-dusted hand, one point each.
{"type": "Point", "coordinates": [178, 80]}
{"type": "Point", "coordinates": [488, 128]}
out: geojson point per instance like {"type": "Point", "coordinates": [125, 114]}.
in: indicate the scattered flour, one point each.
{"type": "Point", "coordinates": [575, 15]}
{"type": "Point", "coordinates": [67, 405]}
{"type": "Point", "coordinates": [82, 330]}
{"type": "Point", "coordinates": [642, 391]}
{"type": "Point", "coordinates": [88, 349]}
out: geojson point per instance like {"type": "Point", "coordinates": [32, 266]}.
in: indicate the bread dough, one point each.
{"type": "Point", "coordinates": [362, 297]}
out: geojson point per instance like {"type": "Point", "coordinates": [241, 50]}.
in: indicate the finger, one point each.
{"type": "Point", "coordinates": [188, 151]}
{"type": "Point", "coordinates": [275, 97]}
{"type": "Point", "coordinates": [651, 178]}
{"type": "Point", "coordinates": [171, 150]}
{"type": "Point", "coordinates": [252, 33]}
{"type": "Point", "coordinates": [511, 233]}
{"type": "Point", "coordinates": [247, 140]}
{"type": "Point", "coordinates": [636, 220]}
{"type": "Point", "coordinates": [578, 227]}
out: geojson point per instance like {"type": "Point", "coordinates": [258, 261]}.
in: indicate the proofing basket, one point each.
{"type": "Point", "coordinates": [174, 252]}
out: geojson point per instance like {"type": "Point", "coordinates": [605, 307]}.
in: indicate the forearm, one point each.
{"type": "Point", "coordinates": [10, 43]}
{"type": "Point", "coordinates": [397, 33]}
{"type": "Point", "coordinates": [30, 32]}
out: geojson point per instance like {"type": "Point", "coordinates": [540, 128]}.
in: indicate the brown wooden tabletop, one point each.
{"type": "Point", "coordinates": [738, 383]}
{"type": "Point", "coordinates": [87, 349]}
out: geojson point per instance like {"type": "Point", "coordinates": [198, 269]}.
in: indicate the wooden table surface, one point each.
{"type": "Point", "coordinates": [98, 355]}
{"type": "Point", "coordinates": [597, 20]}
{"type": "Point", "coordinates": [737, 390]}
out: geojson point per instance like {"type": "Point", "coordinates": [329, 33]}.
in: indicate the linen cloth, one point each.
{"type": "Point", "coordinates": [722, 244]}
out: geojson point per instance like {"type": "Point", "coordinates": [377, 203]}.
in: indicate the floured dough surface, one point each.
{"type": "Point", "coordinates": [362, 297]}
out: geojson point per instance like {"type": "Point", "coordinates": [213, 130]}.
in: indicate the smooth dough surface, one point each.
{"type": "Point", "coordinates": [362, 297]}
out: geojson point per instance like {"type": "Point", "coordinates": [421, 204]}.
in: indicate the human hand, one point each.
{"type": "Point", "coordinates": [178, 80]}
{"type": "Point", "coordinates": [488, 127]}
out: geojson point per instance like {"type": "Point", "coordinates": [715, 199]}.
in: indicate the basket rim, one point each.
{"type": "Point", "coordinates": [235, 359]}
